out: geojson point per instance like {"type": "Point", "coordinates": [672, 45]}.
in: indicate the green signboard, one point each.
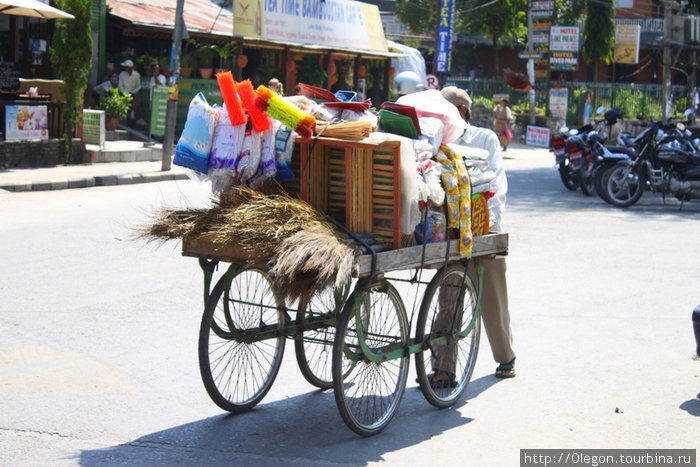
{"type": "Point", "coordinates": [159, 105]}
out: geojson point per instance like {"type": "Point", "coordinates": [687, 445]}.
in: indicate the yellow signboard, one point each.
{"type": "Point", "coordinates": [331, 23]}
{"type": "Point", "coordinates": [627, 44]}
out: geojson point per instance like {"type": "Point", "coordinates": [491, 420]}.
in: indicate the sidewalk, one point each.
{"type": "Point", "coordinates": [120, 163]}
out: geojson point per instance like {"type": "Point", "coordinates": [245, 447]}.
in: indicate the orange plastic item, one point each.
{"type": "Point", "coordinates": [231, 99]}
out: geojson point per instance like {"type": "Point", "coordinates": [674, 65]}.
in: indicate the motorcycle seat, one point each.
{"type": "Point", "coordinates": [621, 150]}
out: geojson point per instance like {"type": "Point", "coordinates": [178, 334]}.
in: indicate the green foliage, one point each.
{"type": "Point", "coordinates": [310, 71]}
{"type": "Point", "coordinates": [226, 54]}
{"type": "Point", "coordinates": [145, 61]}
{"type": "Point", "coordinates": [116, 103]}
{"type": "Point", "coordinates": [188, 60]}
{"type": "Point", "coordinates": [71, 57]}
{"type": "Point", "coordinates": [569, 12]}
{"type": "Point", "coordinates": [599, 31]}
{"type": "Point", "coordinates": [634, 102]}
{"type": "Point", "coordinates": [503, 22]}
{"type": "Point", "coordinates": [206, 54]}
{"type": "Point", "coordinates": [483, 101]}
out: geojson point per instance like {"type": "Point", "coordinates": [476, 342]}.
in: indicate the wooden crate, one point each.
{"type": "Point", "coordinates": [356, 183]}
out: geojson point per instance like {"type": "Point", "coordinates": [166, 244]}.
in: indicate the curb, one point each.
{"type": "Point", "coordinates": [85, 182]}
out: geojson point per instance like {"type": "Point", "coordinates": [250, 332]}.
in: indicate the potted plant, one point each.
{"type": "Point", "coordinates": [187, 63]}
{"type": "Point", "coordinates": [226, 54]}
{"type": "Point", "coordinates": [205, 60]}
{"type": "Point", "coordinates": [116, 105]}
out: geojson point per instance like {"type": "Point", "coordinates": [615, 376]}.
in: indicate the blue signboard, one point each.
{"type": "Point", "coordinates": [443, 53]}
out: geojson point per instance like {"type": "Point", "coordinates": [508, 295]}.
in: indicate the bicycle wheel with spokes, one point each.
{"type": "Point", "coordinates": [240, 340]}
{"type": "Point", "coordinates": [314, 344]}
{"type": "Point", "coordinates": [367, 390]}
{"type": "Point", "coordinates": [449, 322]}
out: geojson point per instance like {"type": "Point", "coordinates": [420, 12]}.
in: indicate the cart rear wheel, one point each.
{"type": "Point", "coordinates": [368, 393]}
{"type": "Point", "coordinates": [314, 347]}
{"type": "Point", "coordinates": [240, 343]}
{"type": "Point", "coordinates": [448, 307]}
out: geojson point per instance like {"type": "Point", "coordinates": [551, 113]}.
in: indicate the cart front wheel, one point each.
{"type": "Point", "coordinates": [367, 392]}
{"type": "Point", "coordinates": [449, 326]}
{"type": "Point", "coordinates": [240, 340]}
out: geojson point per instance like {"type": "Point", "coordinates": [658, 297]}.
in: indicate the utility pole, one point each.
{"type": "Point", "coordinates": [666, 61]}
{"type": "Point", "coordinates": [531, 64]}
{"type": "Point", "coordinates": [171, 109]}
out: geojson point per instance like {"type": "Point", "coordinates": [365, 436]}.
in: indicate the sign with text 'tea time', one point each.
{"type": "Point", "coordinates": [444, 41]}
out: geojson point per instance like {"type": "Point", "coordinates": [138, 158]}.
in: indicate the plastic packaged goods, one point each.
{"type": "Point", "coordinates": [267, 168]}
{"type": "Point", "coordinates": [430, 103]}
{"type": "Point", "coordinates": [226, 147]}
{"type": "Point", "coordinates": [249, 158]}
{"type": "Point", "coordinates": [438, 232]}
{"type": "Point", "coordinates": [468, 152]}
{"type": "Point", "coordinates": [284, 147]}
{"type": "Point", "coordinates": [194, 146]}
{"type": "Point", "coordinates": [432, 130]}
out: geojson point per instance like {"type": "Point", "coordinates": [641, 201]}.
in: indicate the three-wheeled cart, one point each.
{"type": "Point", "coordinates": [356, 340]}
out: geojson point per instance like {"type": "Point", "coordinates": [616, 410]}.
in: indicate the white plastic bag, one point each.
{"type": "Point", "coordinates": [193, 148]}
{"type": "Point", "coordinates": [267, 167]}
{"type": "Point", "coordinates": [226, 146]}
{"type": "Point", "coordinates": [430, 103]}
{"type": "Point", "coordinates": [249, 157]}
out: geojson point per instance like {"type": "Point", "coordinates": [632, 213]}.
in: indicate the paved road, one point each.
{"type": "Point", "coordinates": [98, 362]}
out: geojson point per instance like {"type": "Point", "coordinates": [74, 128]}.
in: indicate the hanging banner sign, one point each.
{"type": "Point", "coordinates": [443, 57]}
{"type": "Point", "coordinates": [627, 44]}
{"type": "Point", "coordinates": [331, 23]}
{"type": "Point", "coordinates": [563, 48]}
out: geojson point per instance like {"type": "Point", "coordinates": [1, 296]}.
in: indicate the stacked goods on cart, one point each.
{"type": "Point", "coordinates": [402, 190]}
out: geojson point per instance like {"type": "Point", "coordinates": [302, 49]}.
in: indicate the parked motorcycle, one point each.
{"type": "Point", "coordinates": [563, 163]}
{"type": "Point", "coordinates": [667, 161]}
{"type": "Point", "coordinates": [583, 157]}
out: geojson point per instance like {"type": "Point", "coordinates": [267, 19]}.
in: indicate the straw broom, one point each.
{"type": "Point", "coordinates": [348, 130]}
{"type": "Point", "coordinates": [310, 261]}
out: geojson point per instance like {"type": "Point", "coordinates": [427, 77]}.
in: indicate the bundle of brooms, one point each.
{"type": "Point", "coordinates": [346, 130]}
{"type": "Point", "coordinates": [304, 251]}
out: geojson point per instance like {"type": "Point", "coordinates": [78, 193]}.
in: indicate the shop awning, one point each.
{"type": "Point", "coordinates": [31, 8]}
{"type": "Point", "coordinates": [201, 16]}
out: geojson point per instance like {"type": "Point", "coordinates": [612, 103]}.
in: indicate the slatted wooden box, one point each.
{"type": "Point", "coordinates": [356, 183]}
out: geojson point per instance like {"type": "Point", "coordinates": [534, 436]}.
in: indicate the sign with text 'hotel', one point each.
{"type": "Point", "coordinates": [331, 23]}
{"type": "Point", "coordinates": [563, 48]}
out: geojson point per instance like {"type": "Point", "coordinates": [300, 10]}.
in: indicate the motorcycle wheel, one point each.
{"type": "Point", "coordinates": [623, 186]}
{"type": "Point", "coordinates": [567, 176]}
{"type": "Point", "coordinates": [600, 174]}
{"type": "Point", "coordinates": [585, 178]}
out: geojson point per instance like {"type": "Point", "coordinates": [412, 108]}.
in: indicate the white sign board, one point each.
{"type": "Point", "coordinates": [537, 136]}
{"type": "Point", "coordinates": [558, 101]}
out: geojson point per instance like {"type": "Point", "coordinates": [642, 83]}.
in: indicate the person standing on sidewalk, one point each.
{"type": "Point", "coordinates": [494, 305]}
{"type": "Point", "coordinates": [130, 83]}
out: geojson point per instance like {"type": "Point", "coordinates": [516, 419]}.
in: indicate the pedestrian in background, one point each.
{"type": "Point", "coordinates": [130, 83]}
{"type": "Point", "coordinates": [502, 118]}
